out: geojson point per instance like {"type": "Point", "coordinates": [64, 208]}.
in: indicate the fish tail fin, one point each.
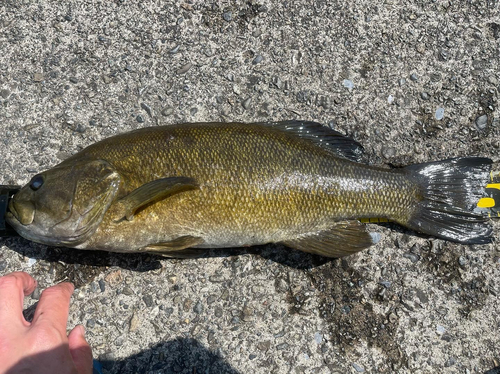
{"type": "Point", "coordinates": [449, 192]}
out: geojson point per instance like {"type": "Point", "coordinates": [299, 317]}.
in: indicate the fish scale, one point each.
{"type": "Point", "coordinates": [294, 186]}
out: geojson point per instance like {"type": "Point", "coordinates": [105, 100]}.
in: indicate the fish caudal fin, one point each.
{"type": "Point", "coordinates": [450, 191]}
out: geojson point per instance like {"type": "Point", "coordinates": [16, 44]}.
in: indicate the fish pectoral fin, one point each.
{"type": "Point", "coordinates": [151, 192]}
{"type": "Point", "coordinates": [344, 238]}
{"type": "Point", "coordinates": [177, 248]}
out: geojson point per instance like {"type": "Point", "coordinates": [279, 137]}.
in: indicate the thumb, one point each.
{"type": "Point", "coordinates": [80, 350]}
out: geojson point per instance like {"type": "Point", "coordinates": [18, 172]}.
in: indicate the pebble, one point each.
{"type": "Point", "coordinates": [184, 68]}
{"type": "Point", "coordinates": [462, 261]}
{"type": "Point", "coordinates": [280, 334]}
{"type": "Point", "coordinates": [402, 82]}
{"type": "Point", "coordinates": [90, 323]}
{"type": "Point", "coordinates": [412, 257]}
{"type": "Point", "coordinates": [414, 77]}
{"type": "Point", "coordinates": [167, 111]}
{"type": "Point", "coordinates": [375, 237]}
{"type": "Point", "coordinates": [187, 304]}
{"type": "Point", "coordinates": [358, 368]}
{"type": "Point", "coordinates": [169, 311]}
{"type": "Point", "coordinates": [127, 291]}
{"type": "Point", "coordinates": [424, 96]}
{"type": "Point", "coordinates": [80, 128]}
{"type": "Point", "coordinates": [102, 285]}
{"type": "Point", "coordinates": [139, 118]}
{"type": "Point", "coordinates": [440, 329]}
{"type": "Point", "coordinates": [246, 103]}
{"type": "Point", "coordinates": [439, 114]}
{"type": "Point", "coordinates": [390, 99]}
{"type": "Point", "coordinates": [386, 284]}
{"type": "Point", "coordinates": [282, 346]}
{"type": "Point", "coordinates": [31, 261]}
{"type": "Point", "coordinates": [218, 312]}
{"type": "Point", "coordinates": [36, 294]}
{"type": "Point", "coordinates": [278, 83]}
{"type": "Point", "coordinates": [302, 96]}
{"type": "Point", "coordinates": [318, 337]}
{"type": "Point", "coordinates": [481, 122]}
{"type": "Point", "coordinates": [388, 152]}
{"type": "Point", "coordinates": [38, 77]}
{"type": "Point", "coordinates": [451, 361]}
{"type": "Point", "coordinates": [347, 83]}
{"type": "Point", "coordinates": [114, 278]}
{"type": "Point", "coordinates": [257, 60]}
{"type": "Point", "coordinates": [198, 307]}
{"type": "Point", "coordinates": [247, 313]}
{"type": "Point", "coordinates": [493, 80]}
{"type": "Point", "coordinates": [148, 300]}
{"type": "Point", "coordinates": [264, 346]}
{"type": "Point", "coordinates": [193, 111]}
{"type": "Point", "coordinates": [175, 49]}
{"type": "Point", "coordinates": [73, 80]}
{"type": "Point", "coordinates": [147, 108]}
{"type": "Point", "coordinates": [5, 93]}
{"type": "Point", "coordinates": [228, 16]}
{"type": "Point", "coordinates": [134, 322]}
{"type": "Point", "coordinates": [392, 318]}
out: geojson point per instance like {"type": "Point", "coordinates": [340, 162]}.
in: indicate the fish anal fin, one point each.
{"type": "Point", "coordinates": [177, 248]}
{"type": "Point", "coordinates": [342, 239]}
{"type": "Point", "coordinates": [151, 192]}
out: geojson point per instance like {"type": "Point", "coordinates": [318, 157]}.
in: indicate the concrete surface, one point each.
{"type": "Point", "coordinates": [413, 81]}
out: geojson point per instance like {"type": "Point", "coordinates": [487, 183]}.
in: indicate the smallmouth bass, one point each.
{"type": "Point", "coordinates": [174, 189]}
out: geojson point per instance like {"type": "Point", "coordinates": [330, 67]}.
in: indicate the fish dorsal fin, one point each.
{"type": "Point", "coordinates": [150, 192]}
{"type": "Point", "coordinates": [343, 239]}
{"type": "Point", "coordinates": [323, 136]}
{"type": "Point", "coordinates": [177, 248]}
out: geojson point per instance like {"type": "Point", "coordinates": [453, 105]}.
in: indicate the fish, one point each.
{"type": "Point", "coordinates": [177, 189]}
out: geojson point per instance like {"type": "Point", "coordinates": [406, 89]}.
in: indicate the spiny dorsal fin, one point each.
{"type": "Point", "coordinates": [323, 136]}
{"type": "Point", "coordinates": [343, 239]}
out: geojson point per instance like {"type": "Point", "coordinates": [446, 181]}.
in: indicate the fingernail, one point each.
{"type": "Point", "coordinates": [82, 330]}
{"type": "Point", "coordinates": [68, 283]}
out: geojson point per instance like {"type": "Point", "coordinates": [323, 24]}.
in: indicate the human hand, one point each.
{"type": "Point", "coordinates": [42, 345]}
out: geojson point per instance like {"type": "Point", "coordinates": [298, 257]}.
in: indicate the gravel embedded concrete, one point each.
{"type": "Point", "coordinates": [413, 81]}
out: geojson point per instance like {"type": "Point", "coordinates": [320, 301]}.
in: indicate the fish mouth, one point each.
{"type": "Point", "coordinates": [22, 211]}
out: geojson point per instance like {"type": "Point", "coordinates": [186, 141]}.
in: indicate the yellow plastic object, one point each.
{"type": "Point", "coordinates": [486, 202]}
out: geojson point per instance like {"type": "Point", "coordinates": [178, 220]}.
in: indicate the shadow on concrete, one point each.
{"type": "Point", "coordinates": [142, 262]}
{"type": "Point", "coordinates": [181, 355]}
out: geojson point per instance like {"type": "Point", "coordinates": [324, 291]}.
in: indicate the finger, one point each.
{"type": "Point", "coordinates": [80, 350]}
{"type": "Point", "coordinates": [53, 307]}
{"type": "Point", "coordinates": [13, 288]}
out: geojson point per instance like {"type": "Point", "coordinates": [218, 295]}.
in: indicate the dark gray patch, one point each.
{"type": "Point", "coordinates": [442, 261]}
{"type": "Point", "coordinates": [351, 317]}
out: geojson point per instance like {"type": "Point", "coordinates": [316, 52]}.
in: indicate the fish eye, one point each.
{"type": "Point", "coordinates": [36, 182]}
